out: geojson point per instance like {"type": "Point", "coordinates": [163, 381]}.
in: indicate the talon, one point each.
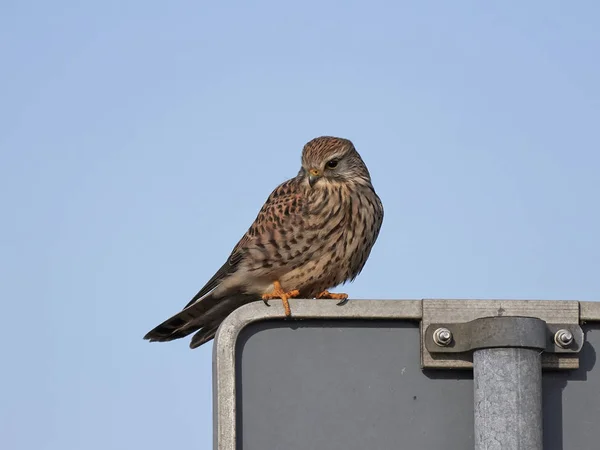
{"type": "Point", "coordinates": [278, 292]}
{"type": "Point", "coordinates": [329, 295]}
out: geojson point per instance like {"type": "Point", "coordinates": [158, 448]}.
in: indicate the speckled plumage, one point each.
{"type": "Point", "coordinates": [314, 232]}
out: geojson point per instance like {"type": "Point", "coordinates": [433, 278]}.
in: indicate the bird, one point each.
{"type": "Point", "coordinates": [314, 232]}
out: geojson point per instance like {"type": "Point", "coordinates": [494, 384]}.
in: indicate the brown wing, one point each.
{"type": "Point", "coordinates": [226, 269]}
{"type": "Point", "coordinates": [273, 220]}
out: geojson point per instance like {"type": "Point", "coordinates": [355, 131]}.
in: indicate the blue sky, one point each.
{"type": "Point", "coordinates": [139, 139]}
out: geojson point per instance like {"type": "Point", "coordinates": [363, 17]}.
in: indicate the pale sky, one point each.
{"type": "Point", "coordinates": [139, 139]}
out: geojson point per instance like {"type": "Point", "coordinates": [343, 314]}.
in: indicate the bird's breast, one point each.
{"type": "Point", "coordinates": [338, 232]}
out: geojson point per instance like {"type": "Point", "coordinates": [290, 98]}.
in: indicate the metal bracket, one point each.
{"type": "Point", "coordinates": [452, 329]}
{"type": "Point", "coordinates": [494, 332]}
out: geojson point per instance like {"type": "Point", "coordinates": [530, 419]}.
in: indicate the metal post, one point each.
{"type": "Point", "coordinates": [507, 372]}
{"type": "Point", "coordinates": [508, 398]}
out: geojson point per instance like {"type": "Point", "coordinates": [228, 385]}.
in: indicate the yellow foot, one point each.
{"type": "Point", "coordinates": [327, 294]}
{"type": "Point", "coordinates": [278, 292]}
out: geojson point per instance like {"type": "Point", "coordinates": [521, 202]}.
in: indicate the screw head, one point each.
{"type": "Point", "coordinates": [563, 338]}
{"type": "Point", "coordinates": [442, 337]}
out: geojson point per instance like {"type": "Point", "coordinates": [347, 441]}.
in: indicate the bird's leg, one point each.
{"type": "Point", "coordinates": [278, 292]}
{"type": "Point", "coordinates": [327, 294]}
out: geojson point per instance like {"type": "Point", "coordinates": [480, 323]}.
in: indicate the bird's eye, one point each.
{"type": "Point", "coordinates": [332, 164]}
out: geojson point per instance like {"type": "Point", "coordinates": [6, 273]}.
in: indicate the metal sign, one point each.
{"type": "Point", "coordinates": [372, 374]}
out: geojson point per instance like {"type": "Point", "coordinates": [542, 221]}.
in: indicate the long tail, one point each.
{"type": "Point", "coordinates": [202, 317]}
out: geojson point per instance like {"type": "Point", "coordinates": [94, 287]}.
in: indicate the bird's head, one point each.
{"type": "Point", "coordinates": [332, 160]}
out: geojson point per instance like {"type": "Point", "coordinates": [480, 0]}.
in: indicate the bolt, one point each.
{"type": "Point", "coordinates": [563, 338]}
{"type": "Point", "coordinates": [442, 337]}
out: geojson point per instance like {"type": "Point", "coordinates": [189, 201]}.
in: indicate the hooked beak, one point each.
{"type": "Point", "coordinates": [313, 176]}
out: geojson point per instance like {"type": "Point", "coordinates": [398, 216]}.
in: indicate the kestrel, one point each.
{"type": "Point", "coordinates": [313, 233]}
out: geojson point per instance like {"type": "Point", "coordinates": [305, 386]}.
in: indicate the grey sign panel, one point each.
{"type": "Point", "coordinates": [356, 383]}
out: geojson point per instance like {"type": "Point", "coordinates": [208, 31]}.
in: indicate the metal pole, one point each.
{"type": "Point", "coordinates": [508, 398]}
